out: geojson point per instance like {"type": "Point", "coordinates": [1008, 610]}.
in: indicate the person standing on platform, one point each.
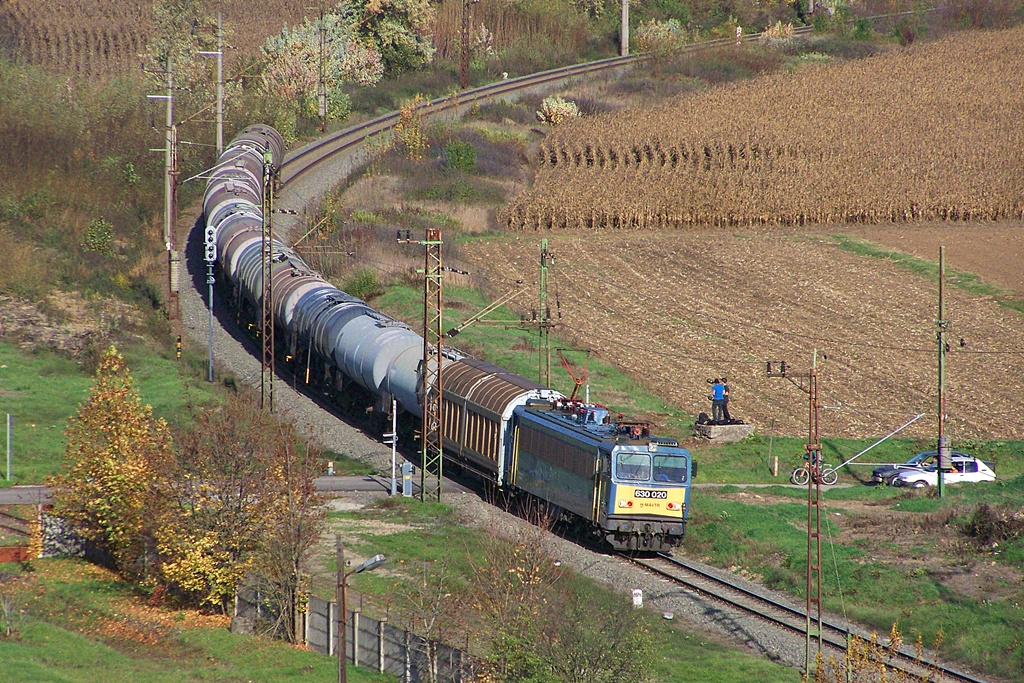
{"type": "Point", "coordinates": [725, 400]}
{"type": "Point", "coordinates": [717, 401]}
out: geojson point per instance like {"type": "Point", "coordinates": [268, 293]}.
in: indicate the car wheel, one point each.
{"type": "Point", "coordinates": [919, 484]}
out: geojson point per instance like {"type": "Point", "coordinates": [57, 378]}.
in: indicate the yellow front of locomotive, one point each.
{"type": "Point", "coordinates": [648, 496]}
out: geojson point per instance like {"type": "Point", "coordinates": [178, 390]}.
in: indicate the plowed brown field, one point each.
{"type": "Point", "coordinates": [673, 309]}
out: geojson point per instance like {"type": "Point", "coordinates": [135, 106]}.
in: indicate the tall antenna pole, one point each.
{"type": "Point", "coordinates": [267, 302]}
{"type": "Point", "coordinates": [943, 441]}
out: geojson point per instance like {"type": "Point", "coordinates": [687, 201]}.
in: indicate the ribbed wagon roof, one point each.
{"type": "Point", "coordinates": [485, 383]}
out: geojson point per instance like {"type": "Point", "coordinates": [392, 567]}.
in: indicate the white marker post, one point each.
{"type": "Point", "coordinates": [10, 424]}
{"type": "Point", "coordinates": [392, 438]}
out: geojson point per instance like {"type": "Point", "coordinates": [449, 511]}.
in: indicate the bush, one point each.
{"type": "Point", "coordinates": [98, 237]}
{"type": "Point", "coordinates": [862, 29]}
{"type": "Point", "coordinates": [459, 156]}
{"type": "Point", "coordinates": [555, 110]}
{"type": "Point", "coordinates": [361, 283]}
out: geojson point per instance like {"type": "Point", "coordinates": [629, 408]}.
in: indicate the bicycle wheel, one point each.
{"type": "Point", "coordinates": [800, 476]}
{"type": "Point", "coordinates": [829, 476]}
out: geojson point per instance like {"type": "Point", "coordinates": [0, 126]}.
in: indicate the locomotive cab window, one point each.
{"type": "Point", "coordinates": [670, 468]}
{"type": "Point", "coordinates": [633, 466]}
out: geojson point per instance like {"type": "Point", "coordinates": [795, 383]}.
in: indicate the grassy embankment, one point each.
{"type": "Point", "coordinates": [81, 623]}
{"type": "Point", "coordinates": [42, 390]}
{"type": "Point", "coordinates": [761, 538]}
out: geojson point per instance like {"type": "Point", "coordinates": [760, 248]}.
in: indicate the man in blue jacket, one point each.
{"type": "Point", "coordinates": [717, 401]}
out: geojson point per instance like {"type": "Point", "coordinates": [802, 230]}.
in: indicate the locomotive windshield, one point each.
{"type": "Point", "coordinates": [670, 468]}
{"type": "Point", "coordinates": [633, 466]}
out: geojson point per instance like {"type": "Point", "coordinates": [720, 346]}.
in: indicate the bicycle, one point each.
{"type": "Point", "coordinates": [802, 474]}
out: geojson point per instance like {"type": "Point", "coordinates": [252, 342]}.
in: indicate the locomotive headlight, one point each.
{"type": "Point", "coordinates": [674, 506]}
{"type": "Point", "coordinates": [625, 503]}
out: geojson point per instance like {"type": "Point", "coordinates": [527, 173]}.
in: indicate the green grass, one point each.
{"type": "Point", "coordinates": [679, 654]}
{"type": "Point", "coordinates": [42, 390]}
{"type": "Point", "coordinates": [82, 624]}
{"type": "Point", "coordinates": [770, 541]}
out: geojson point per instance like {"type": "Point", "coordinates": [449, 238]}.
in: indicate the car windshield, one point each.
{"type": "Point", "coordinates": [633, 466]}
{"type": "Point", "coordinates": [921, 457]}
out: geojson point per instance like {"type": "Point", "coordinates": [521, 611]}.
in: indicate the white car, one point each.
{"type": "Point", "coordinates": [964, 470]}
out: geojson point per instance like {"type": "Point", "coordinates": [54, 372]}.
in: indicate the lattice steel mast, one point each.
{"type": "Point", "coordinates": [267, 300]}
{"type": "Point", "coordinates": [432, 470]}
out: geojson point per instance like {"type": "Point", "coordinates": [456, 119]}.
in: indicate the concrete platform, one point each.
{"type": "Point", "coordinates": [723, 433]}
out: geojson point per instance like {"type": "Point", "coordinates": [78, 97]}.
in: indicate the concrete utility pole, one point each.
{"type": "Point", "coordinates": [624, 37]}
{"type": "Point", "coordinates": [322, 91]}
{"type": "Point", "coordinates": [170, 190]}
{"type": "Point", "coordinates": [943, 440]}
{"type": "Point", "coordinates": [220, 85]}
{"type": "Point", "coordinates": [464, 53]}
{"type": "Point", "coordinates": [813, 626]}
{"type": "Point", "coordinates": [219, 54]}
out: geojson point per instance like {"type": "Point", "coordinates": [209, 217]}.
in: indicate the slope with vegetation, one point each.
{"type": "Point", "coordinates": [80, 216]}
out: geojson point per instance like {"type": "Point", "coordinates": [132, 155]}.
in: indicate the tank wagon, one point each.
{"type": "Point", "coordinates": [611, 478]}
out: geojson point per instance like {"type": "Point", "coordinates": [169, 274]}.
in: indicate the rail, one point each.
{"type": "Point", "coordinates": [759, 604]}
{"type": "Point", "coordinates": [308, 157]}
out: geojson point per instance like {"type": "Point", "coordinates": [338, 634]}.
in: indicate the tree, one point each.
{"type": "Point", "coordinates": [547, 626]}
{"type": "Point", "coordinates": [117, 455]}
{"type": "Point", "coordinates": [295, 58]}
{"type": "Point", "coordinates": [401, 31]}
{"type": "Point", "coordinates": [243, 504]}
{"type": "Point", "coordinates": [296, 525]}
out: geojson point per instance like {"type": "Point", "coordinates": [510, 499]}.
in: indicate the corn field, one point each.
{"type": "Point", "coordinates": [928, 133]}
{"type": "Point", "coordinates": [98, 38]}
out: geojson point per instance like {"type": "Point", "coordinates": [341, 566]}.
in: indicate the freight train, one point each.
{"type": "Point", "coordinates": [612, 478]}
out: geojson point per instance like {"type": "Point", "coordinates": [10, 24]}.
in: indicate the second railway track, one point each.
{"type": "Point", "coordinates": [742, 601]}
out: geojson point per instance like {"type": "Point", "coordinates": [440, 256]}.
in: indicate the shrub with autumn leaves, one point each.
{"type": "Point", "coordinates": [233, 496]}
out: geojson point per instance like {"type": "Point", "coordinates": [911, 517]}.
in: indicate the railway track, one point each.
{"type": "Point", "coordinates": [310, 156]}
{"type": "Point", "coordinates": [752, 603]}
{"type": "Point", "coordinates": [13, 526]}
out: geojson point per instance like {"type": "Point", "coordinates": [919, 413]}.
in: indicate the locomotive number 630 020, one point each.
{"type": "Point", "coordinates": [643, 493]}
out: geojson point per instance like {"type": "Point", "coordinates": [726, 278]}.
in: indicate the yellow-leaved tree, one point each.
{"type": "Point", "coordinates": [117, 454]}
